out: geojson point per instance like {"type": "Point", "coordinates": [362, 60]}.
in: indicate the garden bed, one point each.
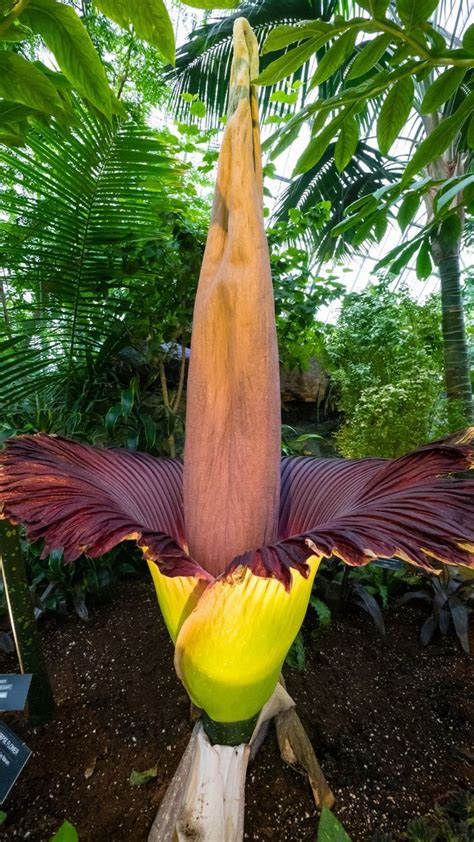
{"type": "Point", "coordinates": [392, 724]}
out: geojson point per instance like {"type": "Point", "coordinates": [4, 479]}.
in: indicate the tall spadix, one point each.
{"type": "Point", "coordinates": [232, 451]}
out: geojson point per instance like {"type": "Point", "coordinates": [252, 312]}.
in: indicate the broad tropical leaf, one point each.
{"type": "Point", "coordinates": [22, 82]}
{"type": "Point", "coordinates": [80, 197]}
{"type": "Point", "coordinates": [368, 56]}
{"type": "Point", "coordinates": [394, 113]}
{"type": "Point", "coordinates": [346, 143]}
{"type": "Point", "coordinates": [415, 12]}
{"type": "Point", "coordinates": [334, 57]}
{"type": "Point", "coordinates": [203, 63]}
{"type": "Point", "coordinates": [150, 20]}
{"type": "Point", "coordinates": [211, 4]}
{"type": "Point", "coordinates": [442, 89]}
{"type": "Point", "coordinates": [66, 36]}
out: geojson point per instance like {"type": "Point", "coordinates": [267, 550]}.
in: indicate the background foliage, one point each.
{"type": "Point", "coordinates": [386, 359]}
{"type": "Point", "coordinates": [359, 77]}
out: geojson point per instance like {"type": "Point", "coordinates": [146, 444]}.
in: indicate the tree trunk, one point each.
{"type": "Point", "coordinates": [456, 357]}
{"type": "Point", "coordinates": [27, 641]}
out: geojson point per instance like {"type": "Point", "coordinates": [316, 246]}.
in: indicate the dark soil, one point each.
{"type": "Point", "coordinates": [392, 724]}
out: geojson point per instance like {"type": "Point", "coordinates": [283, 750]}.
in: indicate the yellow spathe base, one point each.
{"type": "Point", "coordinates": [231, 647]}
{"type": "Point", "coordinates": [177, 596]}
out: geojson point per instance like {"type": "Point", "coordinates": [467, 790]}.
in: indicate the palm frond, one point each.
{"type": "Point", "coordinates": [73, 200]}
{"type": "Point", "coordinates": [203, 63]}
{"type": "Point", "coordinates": [365, 173]}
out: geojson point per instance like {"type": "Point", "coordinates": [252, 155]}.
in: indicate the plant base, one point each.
{"type": "Point", "coordinates": [206, 798]}
{"type": "Point", "coordinates": [229, 733]}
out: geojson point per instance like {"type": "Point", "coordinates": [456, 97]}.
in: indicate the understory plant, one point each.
{"type": "Point", "coordinates": [451, 599]}
{"type": "Point", "coordinates": [448, 822]}
{"type": "Point", "coordinates": [234, 536]}
{"type": "Point", "coordinates": [340, 587]}
{"type": "Point", "coordinates": [61, 587]}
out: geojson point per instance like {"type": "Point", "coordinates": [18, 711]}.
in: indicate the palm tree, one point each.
{"type": "Point", "coordinates": [203, 62]}
{"type": "Point", "coordinates": [368, 169]}
{"type": "Point", "coordinates": [202, 68]}
{"type": "Point", "coordinates": [77, 202]}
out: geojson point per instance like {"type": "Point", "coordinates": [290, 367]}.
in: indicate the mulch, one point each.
{"type": "Point", "coordinates": [392, 724]}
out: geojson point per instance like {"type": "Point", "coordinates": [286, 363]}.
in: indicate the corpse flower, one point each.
{"type": "Point", "coordinates": [233, 535]}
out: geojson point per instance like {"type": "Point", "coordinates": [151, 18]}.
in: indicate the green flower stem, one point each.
{"type": "Point", "coordinates": [229, 733]}
{"type": "Point", "coordinates": [27, 640]}
{"type": "Point", "coordinates": [436, 61]}
{"type": "Point", "coordinates": [401, 34]}
{"type": "Point", "coordinates": [11, 17]}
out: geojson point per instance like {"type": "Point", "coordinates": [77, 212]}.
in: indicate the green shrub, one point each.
{"type": "Point", "coordinates": [386, 358]}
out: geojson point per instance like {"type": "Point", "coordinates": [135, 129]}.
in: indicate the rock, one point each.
{"type": "Point", "coordinates": [309, 386]}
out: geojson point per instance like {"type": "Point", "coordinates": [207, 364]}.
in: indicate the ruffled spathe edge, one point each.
{"type": "Point", "coordinates": [85, 499]}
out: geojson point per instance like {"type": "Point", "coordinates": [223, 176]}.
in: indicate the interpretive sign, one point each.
{"type": "Point", "coordinates": [13, 691]}
{"type": "Point", "coordinates": [13, 756]}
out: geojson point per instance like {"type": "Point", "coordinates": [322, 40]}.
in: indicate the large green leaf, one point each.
{"type": "Point", "coordinates": [211, 4]}
{"type": "Point", "coordinates": [346, 143]}
{"type": "Point", "coordinates": [286, 34]}
{"type": "Point", "coordinates": [66, 36]}
{"type": "Point", "coordinates": [318, 145]}
{"type": "Point", "coordinates": [369, 56]}
{"type": "Point", "coordinates": [408, 208]}
{"type": "Point", "coordinates": [11, 112]}
{"type": "Point", "coordinates": [149, 18]}
{"type": "Point", "coordinates": [468, 39]}
{"type": "Point", "coordinates": [334, 57]}
{"type": "Point", "coordinates": [330, 829]}
{"type": "Point", "coordinates": [398, 257]}
{"type": "Point", "coordinates": [415, 12]}
{"type": "Point", "coordinates": [290, 61]}
{"type": "Point", "coordinates": [16, 32]}
{"type": "Point", "coordinates": [439, 139]}
{"type": "Point", "coordinates": [21, 81]}
{"type": "Point", "coordinates": [423, 261]}
{"type": "Point", "coordinates": [377, 8]}
{"type": "Point", "coordinates": [120, 11]}
{"type": "Point", "coordinates": [394, 113]}
{"type": "Point", "coordinates": [442, 89]}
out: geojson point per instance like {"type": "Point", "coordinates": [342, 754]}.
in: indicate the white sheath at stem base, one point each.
{"type": "Point", "coordinates": [206, 798]}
